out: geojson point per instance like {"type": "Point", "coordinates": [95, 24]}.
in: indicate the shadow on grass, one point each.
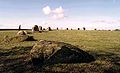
{"type": "Point", "coordinates": [14, 60]}
{"type": "Point", "coordinates": [113, 58]}
{"type": "Point", "coordinates": [106, 56]}
{"type": "Point", "coordinates": [14, 51]}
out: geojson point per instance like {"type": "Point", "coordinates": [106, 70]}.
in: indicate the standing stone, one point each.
{"type": "Point", "coordinates": [66, 28]}
{"type": "Point", "coordinates": [35, 28]}
{"type": "Point", "coordinates": [84, 28]}
{"type": "Point", "coordinates": [32, 29]}
{"type": "Point", "coordinates": [19, 27]}
{"type": "Point", "coordinates": [49, 29]}
{"type": "Point", "coordinates": [43, 28]}
{"type": "Point", "coordinates": [57, 28]}
{"type": "Point", "coordinates": [95, 29]}
{"type": "Point", "coordinates": [40, 28]}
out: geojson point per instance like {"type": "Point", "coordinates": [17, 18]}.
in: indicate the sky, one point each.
{"type": "Point", "coordinates": [100, 14]}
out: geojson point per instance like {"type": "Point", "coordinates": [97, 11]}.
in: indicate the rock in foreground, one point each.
{"type": "Point", "coordinates": [52, 52]}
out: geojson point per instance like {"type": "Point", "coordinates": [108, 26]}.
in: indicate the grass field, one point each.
{"type": "Point", "coordinates": [103, 45]}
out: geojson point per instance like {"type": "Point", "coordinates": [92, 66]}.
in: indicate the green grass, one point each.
{"type": "Point", "coordinates": [103, 45]}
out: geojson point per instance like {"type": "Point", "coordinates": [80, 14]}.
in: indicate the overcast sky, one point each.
{"type": "Point", "coordinates": [100, 14]}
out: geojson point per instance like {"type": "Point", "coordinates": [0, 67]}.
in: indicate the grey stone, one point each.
{"type": "Point", "coordinates": [52, 52]}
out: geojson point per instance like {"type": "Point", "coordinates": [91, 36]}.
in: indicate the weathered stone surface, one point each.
{"type": "Point", "coordinates": [84, 28]}
{"type": "Point", "coordinates": [51, 52]}
{"type": "Point", "coordinates": [40, 28]}
{"type": "Point", "coordinates": [57, 28]}
{"type": "Point", "coordinates": [35, 28]}
{"type": "Point", "coordinates": [67, 29]}
{"type": "Point", "coordinates": [22, 33]}
{"type": "Point", "coordinates": [43, 28]}
{"type": "Point", "coordinates": [49, 29]}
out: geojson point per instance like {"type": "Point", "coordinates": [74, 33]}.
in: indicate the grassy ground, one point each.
{"type": "Point", "coordinates": [103, 45]}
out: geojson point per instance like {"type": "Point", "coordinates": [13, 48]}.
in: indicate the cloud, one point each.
{"type": "Point", "coordinates": [58, 16]}
{"type": "Point", "coordinates": [46, 10]}
{"type": "Point", "coordinates": [58, 10]}
{"type": "Point", "coordinates": [57, 13]}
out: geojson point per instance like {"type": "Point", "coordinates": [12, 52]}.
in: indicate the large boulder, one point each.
{"type": "Point", "coordinates": [57, 28]}
{"type": "Point", "coordinates": [35, 28]}
{"type": "Point", "coordinates": [52, 52]}
{"type": "Point", "coordinates": [40, 28]}
{"type": "Point", "coordinates": [67, 29]}
{"type": "Point", "coordinates": [49, 29]}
